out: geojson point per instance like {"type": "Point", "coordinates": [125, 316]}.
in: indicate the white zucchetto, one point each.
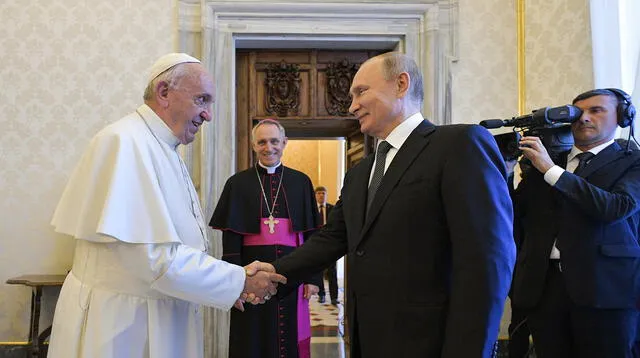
{"type": "Point", "coordinates": [167, 61]}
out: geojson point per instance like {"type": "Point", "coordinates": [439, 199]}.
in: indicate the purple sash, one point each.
{"type": "Point", "coordinates": [284, 235]}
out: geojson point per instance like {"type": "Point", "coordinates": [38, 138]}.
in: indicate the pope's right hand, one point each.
{"type": "Point", "coordinates": [261, 282]}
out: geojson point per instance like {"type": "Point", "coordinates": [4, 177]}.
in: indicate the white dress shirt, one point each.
{"type": "Point", "coordinates": [397, 137]}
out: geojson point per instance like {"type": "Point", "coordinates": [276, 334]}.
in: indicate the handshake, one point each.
{"type": "Point", "coordinates": [260, 284]}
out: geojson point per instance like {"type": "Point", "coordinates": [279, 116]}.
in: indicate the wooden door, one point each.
{"type": "Point", "coordinates": [306, 90]}
{"type": "Point", "coordinates": [358, 147]}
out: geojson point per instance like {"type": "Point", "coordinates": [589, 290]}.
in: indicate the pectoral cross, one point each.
{"type": "Point", "coordinates": [271, 222]}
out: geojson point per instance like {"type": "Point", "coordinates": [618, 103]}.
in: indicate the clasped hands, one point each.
{"type": "Point", "coordinates": [260, 284]}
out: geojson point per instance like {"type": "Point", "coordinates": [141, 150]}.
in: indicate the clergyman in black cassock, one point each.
{"type": "Point", "coordinates": [280, 327]}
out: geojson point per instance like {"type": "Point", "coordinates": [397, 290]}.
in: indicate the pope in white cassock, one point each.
{"type": "Point", "coordinates": [141, 270]}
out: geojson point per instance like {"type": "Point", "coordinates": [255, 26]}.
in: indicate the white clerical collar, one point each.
{"type": "Point", "coordinates": [399, 134]}
{"type": "Point", "coordinates": [270, 170]}
{"type": "Point", "coordinates": [158, 126]}
{"type": "Point", "coordinates": [595, 150]}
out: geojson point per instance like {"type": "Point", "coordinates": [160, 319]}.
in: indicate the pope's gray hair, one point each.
{"type": "Point", "coordinates": [172, 77]}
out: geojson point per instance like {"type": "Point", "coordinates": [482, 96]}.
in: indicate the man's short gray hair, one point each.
{"type": "Point", "coordinates": [394, 63]}
{"type": "Point", "coordinates": [267, 121]}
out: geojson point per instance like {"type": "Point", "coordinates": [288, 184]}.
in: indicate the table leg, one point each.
{"type": "Point", "coordinates": [46, 333]}
{"type": "Point", "coordinates": [36, 296]}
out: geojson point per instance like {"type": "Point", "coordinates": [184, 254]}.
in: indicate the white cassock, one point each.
{"type": "Point", "coordinates": [140, 270]}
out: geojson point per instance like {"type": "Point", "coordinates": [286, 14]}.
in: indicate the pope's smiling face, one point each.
{"type": "Point", "coordinates": [190, 103]}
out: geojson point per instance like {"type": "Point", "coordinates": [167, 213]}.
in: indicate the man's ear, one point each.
{"type": "Point", "coordinates": [403, 81]}
{"type": "Point", "coordinates": [162, 93]}
{"type": "Point", "coordinates": [284, 142]}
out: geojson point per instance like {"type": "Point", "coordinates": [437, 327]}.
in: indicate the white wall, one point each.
{"type": "Point", "coordinates": [629, 44]}
{"type": "Point", "coordinates": [484, 78]}
{"type": "Point", "coordinates": [616, 47]}
{"type": "Point", "coordinates": [559, 62]}
{"type": "Point", "coordinates": [630, 57]}
{"type": "Point", "coordinates": [67, 68]}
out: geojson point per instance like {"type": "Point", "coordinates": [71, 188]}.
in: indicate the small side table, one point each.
{"type": "Point", "coordinates": [37, 282]}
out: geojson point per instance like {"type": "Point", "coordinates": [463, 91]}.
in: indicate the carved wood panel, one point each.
{"type": "Point", "coordinates": [306, 90]}
{"type": "Point", "coordinates": [335, 74]}
{"type": "Point", "coordinates": [282, 89]}
{"type": "Point", "coordinates": [338, 80]}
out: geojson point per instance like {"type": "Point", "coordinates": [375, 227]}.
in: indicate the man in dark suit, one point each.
{"type": "Point", "coordinates": [330, 272]}
{"type": "Point", "coordinates": [427, 226]}
{"type": "Point", "coordinates": [578, 266]}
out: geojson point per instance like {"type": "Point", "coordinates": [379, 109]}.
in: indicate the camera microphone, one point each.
{"type": "Point", "coordinates": [493, 123]}
{"type": "Point", "coordinates": [497, 123]}
{"type": "Point", "coordinates": [546, 116]}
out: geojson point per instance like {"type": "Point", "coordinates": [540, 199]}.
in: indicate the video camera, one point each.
{"type": "Point", "coordinates": [551, 124]}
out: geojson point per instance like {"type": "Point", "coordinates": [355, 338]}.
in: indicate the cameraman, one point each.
{"type": "Point", "coordinates": [578, 266]}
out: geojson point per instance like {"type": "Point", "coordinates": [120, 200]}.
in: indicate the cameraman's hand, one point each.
{"type": "Point", "coordinates": [533, 150]}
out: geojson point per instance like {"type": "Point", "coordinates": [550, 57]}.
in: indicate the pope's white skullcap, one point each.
{"type": "Point", "coordinates": [167, 61]}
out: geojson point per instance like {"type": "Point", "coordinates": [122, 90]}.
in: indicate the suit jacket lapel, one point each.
{"type": "Point", "coordinates": [415, 143]}
{"type": "Point", "coordinates": [606, 156]}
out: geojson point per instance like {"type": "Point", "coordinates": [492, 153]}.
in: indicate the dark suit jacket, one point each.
{"type": "Point", "coordinates": [429, 267]}
{"type": "Point", "coordinates": [595, 218]}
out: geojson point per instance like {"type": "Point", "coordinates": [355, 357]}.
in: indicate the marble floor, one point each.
{"type": "Point", "coordinates": [326, 328]}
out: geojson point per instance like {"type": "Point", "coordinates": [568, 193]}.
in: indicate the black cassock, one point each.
{"type": "Point", "coordinates": [268, 330]}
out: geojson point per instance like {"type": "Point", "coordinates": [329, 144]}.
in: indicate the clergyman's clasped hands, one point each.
{"type": "Point", "coordinates": [260, 284]}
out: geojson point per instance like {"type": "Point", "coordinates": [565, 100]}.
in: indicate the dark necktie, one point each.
{"type": "Point", "coordinates": [322, 214]}
{"type": "Point", "coordinates": [584, 158]}
{"type": "Point", "coordinates": [378, 171]}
